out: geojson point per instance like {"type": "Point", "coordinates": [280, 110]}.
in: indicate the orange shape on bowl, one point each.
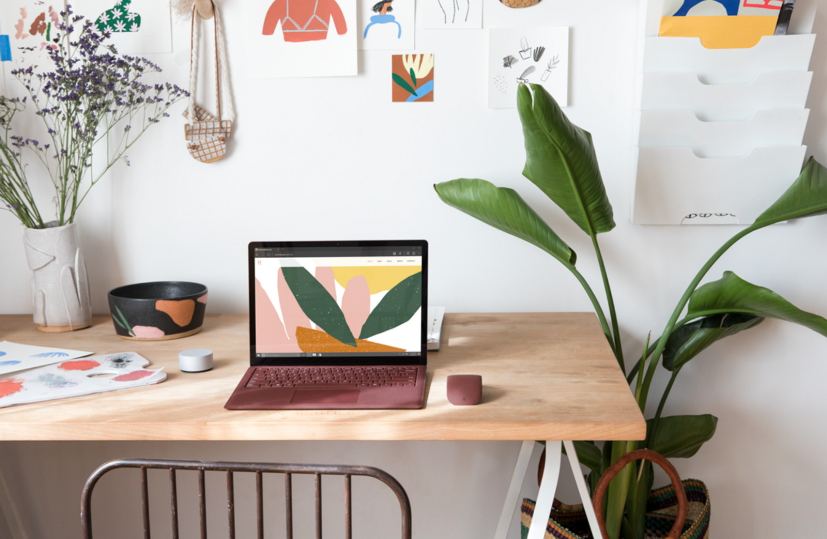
{"type": "Point", "coordinates": [180, 311]}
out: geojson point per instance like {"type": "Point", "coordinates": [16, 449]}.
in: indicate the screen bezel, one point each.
{"type": "Point", "coordinates": [422, 359]}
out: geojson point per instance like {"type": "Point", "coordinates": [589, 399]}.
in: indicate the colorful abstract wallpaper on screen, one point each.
{"type": "Point", "coordinates": [370, 309]}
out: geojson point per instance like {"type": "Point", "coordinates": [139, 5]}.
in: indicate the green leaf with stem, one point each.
{"type": "Point", "coordinates": [681, 436]}
{"type": "Point", "coordinates": [692, 338]}
{"type": "Point", "coordinates": [505, 210]}
{"type": "Point", "coordinates": [561, 161]}
{"type": "Point", "coordinates": [806, 197]}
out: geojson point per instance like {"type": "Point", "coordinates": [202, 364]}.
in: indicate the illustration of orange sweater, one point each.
{"type": "Point", "coordinates": [304, 20]}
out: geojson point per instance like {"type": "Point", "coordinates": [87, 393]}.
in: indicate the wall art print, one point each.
{"type": "Point", "coordinates": [301, 38]}
{"type": "Point", "coordinates": [137, 26]}
{"type": "Point", "coordinates": [412, 78]}
{"type": "Point", "coordinates": [527, 55]}
{"type": "Point", "coordinates": [450, 13]}
{"type": "Point", "coordinates": [387, 24]}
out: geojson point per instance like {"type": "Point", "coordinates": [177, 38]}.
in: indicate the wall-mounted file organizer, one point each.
{"type": "Point", "coordinates": [721, 130]}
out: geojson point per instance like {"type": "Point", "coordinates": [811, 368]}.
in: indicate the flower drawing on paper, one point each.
{"type": "Point", "coordinates": [413, 77]}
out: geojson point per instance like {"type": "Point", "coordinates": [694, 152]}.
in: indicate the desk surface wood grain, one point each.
{"type": "Point", "coordinates": [547, 376]}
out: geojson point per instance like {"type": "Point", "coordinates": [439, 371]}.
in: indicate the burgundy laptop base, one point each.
{"type": "Point", "coordinates": [251, 395]}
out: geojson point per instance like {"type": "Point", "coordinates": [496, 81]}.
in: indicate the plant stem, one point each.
{"type": "Point", "coordinates": [601, 316]}
{"type": "Point", "coordinates": [665, 395]}
{"type": "Point", "coordinates": [670, 325]}
{"type": "Point", "coordinates": [618, 347]}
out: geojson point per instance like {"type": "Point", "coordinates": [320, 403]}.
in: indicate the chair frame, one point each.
{"type": "Point", "coordinates": [230, 468]}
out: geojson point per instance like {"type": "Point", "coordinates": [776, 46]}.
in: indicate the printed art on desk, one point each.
{"type": "Point", "coordinates": [337, 309]}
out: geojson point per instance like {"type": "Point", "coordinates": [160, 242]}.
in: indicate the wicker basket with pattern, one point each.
{"type": "Point", "coordinates": [663, 510]}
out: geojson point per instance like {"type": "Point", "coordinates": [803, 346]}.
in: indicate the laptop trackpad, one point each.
{"type": "Point", "coordinates": [325, 396]}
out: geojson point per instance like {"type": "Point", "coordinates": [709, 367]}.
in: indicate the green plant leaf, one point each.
{"type": "Point", "coordinates": [806, 197]}
{"type": "Point", "coordinates": [561, 161]}
{"type": "Point", "coordinates": [681, 436]}
{"type": "Point", "coordinates": [318, 304]}
{"type": "Point", "coordinates": [589, 455]}
{"type": "Point", "coordinates": [396, 307]}
{"type": "Point", "coordinates": [413, 76]}
{"type": "Point", "coordinates": [404, 84]}
{"type": "Point", "coordinates": [731, 294]}
{"type": "Point", "coordinates": [691, 339]}
{"type": "Point", "coordinates": [504, 209]}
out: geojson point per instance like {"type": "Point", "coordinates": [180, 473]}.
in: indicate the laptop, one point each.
{"type": "Point", "coordinates": [336, 325]}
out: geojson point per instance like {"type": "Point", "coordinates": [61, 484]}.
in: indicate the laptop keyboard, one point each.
{"type": "Point", "coordinates": [323, 377]}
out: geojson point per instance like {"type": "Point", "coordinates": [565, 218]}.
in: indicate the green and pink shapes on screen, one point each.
{"type": "Point", "coordinates": [119, 19]}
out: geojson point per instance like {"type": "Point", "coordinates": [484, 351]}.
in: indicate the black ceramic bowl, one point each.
{"type": "Point", "coordinates": [158, 311]}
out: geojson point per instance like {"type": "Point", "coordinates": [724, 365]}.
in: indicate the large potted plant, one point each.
{"type": "Point", "coordinates": [92, 105]}
{"type": "Point", "coordinates": [561, 161]}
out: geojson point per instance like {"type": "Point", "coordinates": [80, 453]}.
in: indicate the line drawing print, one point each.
{"type": "Point", "coordinates": [454, 10]}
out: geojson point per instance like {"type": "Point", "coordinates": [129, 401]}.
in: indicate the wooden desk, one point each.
{"type": "Point", "coordinates": [549, 376]}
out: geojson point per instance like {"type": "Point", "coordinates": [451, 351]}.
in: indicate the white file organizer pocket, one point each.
{"type": "Point", "coordinates": [676, 187]}
{"type": "Point", "coordinates": [687, 54]}
{"type": "Point", "coordinates": [725, 101]}
{"type": "Point", "coordinates": [684, 128]}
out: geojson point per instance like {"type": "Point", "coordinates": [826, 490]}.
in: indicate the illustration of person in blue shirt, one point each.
{"type": "Point", "coordinates": [383, 15]}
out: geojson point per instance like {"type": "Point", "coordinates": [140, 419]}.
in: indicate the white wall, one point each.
{"type": "Point", "coordinates": [332, 158]}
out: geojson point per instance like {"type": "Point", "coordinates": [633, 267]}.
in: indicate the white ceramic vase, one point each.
{"type": "Point", "coordinates": [60, 288]}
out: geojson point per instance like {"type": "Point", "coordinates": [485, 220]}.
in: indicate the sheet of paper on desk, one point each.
{"type": "Point", "coordinates": [78, 377]}
{"type": "Point", "coordinates": [17, 357]}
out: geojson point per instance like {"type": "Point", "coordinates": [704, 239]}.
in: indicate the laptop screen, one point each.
{"type": "Point", "coordinates": [324, 303]}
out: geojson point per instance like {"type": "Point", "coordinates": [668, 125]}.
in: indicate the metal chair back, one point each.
{"type": "Point", "coordinates": [230, 469]}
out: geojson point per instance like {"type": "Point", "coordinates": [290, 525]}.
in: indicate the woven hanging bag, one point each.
{"type": "Point", "coordinates": [670, 513]}
{"type": "Point", "coordinates": [206, 133]}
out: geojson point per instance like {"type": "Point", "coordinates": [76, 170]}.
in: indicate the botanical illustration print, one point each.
{"type": "Point", "coordinates": [387, 24]}
{"type": "Point", "coordinates": [412, 77]}
{"type": "Point", "coordinates": [339, 309]}
{"type": "Point", "coordinates": [304, 20]}
{"type": "Point", "coordinates": [538, 56]}
{"type": "Point", "coordinates": [450, 13]}
{"type": "Point", "coordinates": [119, 19]}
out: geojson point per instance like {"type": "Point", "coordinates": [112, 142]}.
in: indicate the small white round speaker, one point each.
{"type": "Point", "coordinates": [195, 360]}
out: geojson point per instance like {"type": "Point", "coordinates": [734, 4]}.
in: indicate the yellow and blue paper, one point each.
{"type": "Point", "coordinates": [723, 24]}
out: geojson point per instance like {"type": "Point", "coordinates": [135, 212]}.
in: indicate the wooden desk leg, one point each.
{"type": "Point", "coordinates": [548, 487]}
{"type": "Point", "coordinates": [583, 489]}
{"type": "Point", "coordinates": [512, 497]}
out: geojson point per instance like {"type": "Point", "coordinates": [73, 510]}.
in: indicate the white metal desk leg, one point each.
{"type": "Point", "coordinates": [510, 506]}
{"type": "Point", "coordinates": [548, 487]}
{"type": "Point", "coordinates": [583, 489]}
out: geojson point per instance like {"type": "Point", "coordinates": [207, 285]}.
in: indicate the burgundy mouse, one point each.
{"type": "Point", "coordinates": [464, 389]}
